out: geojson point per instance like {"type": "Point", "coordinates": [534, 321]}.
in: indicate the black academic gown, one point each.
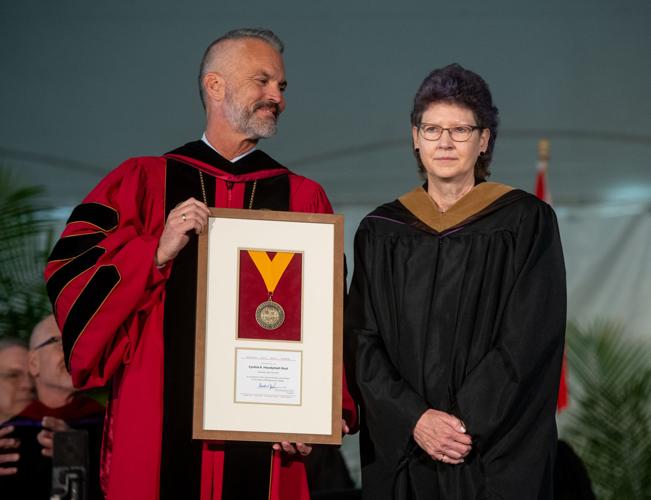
{"type": "Point", "coordinates": [462, 312]}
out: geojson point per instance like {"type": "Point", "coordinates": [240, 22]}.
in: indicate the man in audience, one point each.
{"type": "Point", "coordinates": [58, 408]}
{"type": "Point", "coordinates": [16, 392]}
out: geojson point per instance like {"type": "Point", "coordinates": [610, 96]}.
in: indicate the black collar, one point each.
{"type": "Point", "coordinates": [253, 162]}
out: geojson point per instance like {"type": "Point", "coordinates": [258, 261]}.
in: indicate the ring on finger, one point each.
{"type": "Point", "coordinates": [183, 217]}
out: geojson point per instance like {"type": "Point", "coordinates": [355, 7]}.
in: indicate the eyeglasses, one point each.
{"type": "Point", "coordinates": [460, 133]}
{"type": "Point", "coordinates": [51, 340]}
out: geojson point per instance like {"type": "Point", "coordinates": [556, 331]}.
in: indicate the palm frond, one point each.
{"type": "Point", "coordinates": [26, 239]}
{"type": "Point", "coordinates": [609, 424]}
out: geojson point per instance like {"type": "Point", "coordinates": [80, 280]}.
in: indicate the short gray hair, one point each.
{"type": "Point", "coordinates": [263, 34]}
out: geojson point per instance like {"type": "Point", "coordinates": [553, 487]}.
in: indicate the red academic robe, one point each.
{"type": "Point", "coordinates": [109, 301]}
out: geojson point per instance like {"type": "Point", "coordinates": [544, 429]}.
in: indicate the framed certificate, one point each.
{"type": "Point", "coordinates": [268, 361]}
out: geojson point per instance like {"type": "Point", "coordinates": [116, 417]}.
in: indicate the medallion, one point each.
{"type": "Point", "coordinates": [270, 315]}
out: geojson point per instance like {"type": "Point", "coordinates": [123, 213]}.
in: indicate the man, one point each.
{"type": "Point", "coordinates": [16, 392]}
{"type": "Point", "coordinates": [57, 408]}
{"type": "Point", "coordinates": [122, 282]}
{"type": "Point", "coordinates": [16, 387]}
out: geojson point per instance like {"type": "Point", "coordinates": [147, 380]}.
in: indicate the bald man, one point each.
{"type": "Point", "coordinates": [58, 407]}
{"type": "Point", "coordinates": [122, 281]}
{"type": "Point", "coordinates": [46, 365]}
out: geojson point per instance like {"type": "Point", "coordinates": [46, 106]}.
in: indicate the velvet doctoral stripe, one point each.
{"type": "Point", "coordinates": [247, 471]}
{"type": "Point", "coordinates": [71, 270]}
{"type": "Point", "coordinates": [70, 247]}
{"type": "Point", "coordinates": [180, 474]}
{"type": "Point", "coordinates": [181, 457]}
{"type": "Point", "coordinates": [95, 214]}
{"type": "Point", "coordinates": [271, 193]}
{"type": "Point", "coordinates": [86, 306]}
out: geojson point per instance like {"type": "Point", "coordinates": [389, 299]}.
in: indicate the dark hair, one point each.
{"type": "Point", "coordinates": [260, 33]}
{"type": "Point", "coordinates": [7, 342]}
{"type": "Point", "coordinates": [456, 85]}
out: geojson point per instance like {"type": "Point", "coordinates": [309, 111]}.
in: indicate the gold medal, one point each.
{"type": "Point", "coordinates": [269, 314]}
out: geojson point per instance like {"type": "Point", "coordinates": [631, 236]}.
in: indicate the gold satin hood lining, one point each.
{"type": "Point", "coordinates": [419, 203]}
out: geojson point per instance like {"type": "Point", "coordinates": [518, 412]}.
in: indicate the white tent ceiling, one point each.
{"type": "Point", "coordinates": [86, 84]}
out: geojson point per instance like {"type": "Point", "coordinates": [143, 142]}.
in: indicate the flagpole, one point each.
{"type": "Point", "coordinates": [542, 192]}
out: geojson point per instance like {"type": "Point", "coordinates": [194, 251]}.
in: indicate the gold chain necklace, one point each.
{"type": "Point", "coordinates": [205, 198]}
{"type": "Point", "coordinates": [203, 188]}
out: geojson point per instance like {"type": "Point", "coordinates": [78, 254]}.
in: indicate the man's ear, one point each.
{"type": "Point", "coordinates": [32, 363]}
{"type": "Point", "coordinates": [214, 87]}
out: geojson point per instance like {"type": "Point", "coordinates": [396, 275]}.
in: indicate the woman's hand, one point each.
{"type": "Point", "coordinates": [442, 436]}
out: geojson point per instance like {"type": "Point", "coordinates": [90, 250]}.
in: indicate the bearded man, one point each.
{"type": "Point", "coordinates": [122, 281]}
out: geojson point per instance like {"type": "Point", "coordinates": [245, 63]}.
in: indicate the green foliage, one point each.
{"type": "Point", "coordinates": [26, 237]}
{"type": "Point", "coordinates": [609, 421]}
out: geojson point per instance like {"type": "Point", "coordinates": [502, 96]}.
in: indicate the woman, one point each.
{"type": "Point", "coordinates": [457, 316]}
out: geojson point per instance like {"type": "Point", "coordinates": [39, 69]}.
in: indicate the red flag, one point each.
{"type": "Point", "coordinates": [542, 192]}
{"type": "Point", "coordinates": [563, 395]}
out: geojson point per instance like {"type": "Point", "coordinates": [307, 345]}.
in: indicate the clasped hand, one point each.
{"type": "Point", "coordinates": [442, 436]}
{"type": "Point", "coordinates": [6, 446]}
{"type": "Point", "coordinates": [44, 437]}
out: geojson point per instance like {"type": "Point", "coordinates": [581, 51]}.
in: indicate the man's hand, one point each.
{"type": "Point", "coordinates": [191, 215]}
{"type": "Point", "coordinates": [287, 447]}
{"type": "Point", "coordinates": [7, 444]}
{"type": "Point", "coordinates": [46, 436]}
{"type": "Point", "coordinates": [442, 436]}
{"type": "Point", "coordinates": [302, 448]}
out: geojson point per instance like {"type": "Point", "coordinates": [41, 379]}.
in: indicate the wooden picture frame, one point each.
{"type": "Point", "coordinates": [259, 385]}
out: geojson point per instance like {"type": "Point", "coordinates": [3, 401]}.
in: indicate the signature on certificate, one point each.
{"type": "Point", "coordinates": [270, 386]}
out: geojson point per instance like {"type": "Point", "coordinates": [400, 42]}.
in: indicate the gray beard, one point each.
{"type": "Point", "coordinates": [247, 122]}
